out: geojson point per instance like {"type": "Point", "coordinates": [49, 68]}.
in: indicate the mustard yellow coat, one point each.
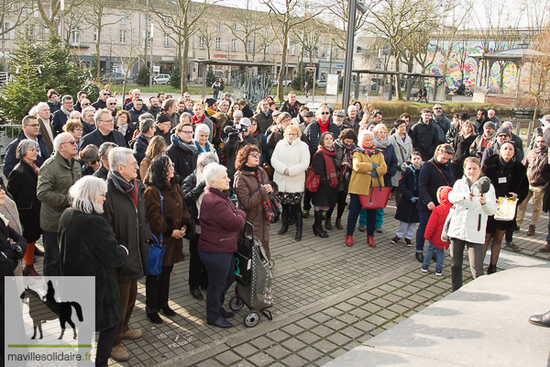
{"type": "Point", "coordinates": [360, 181]}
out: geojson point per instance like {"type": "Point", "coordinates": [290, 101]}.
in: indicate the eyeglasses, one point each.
{"type": "Point", "coordinates": [72, 142]}
{"type": "Point", "coordinates": [438, 108]}
{"type": "Point", "coordinates": [186, 132]}
{"type": "Point", "coordinates": [112, 103]}
{"type": "Point", "coordinates": [93, 162]}
{"type": "Point", "coordinates": [109, 121]}
{"type": "Point", "coordinates": [255, 155]}
{"type": "Point", "coordinates": [325, 113]}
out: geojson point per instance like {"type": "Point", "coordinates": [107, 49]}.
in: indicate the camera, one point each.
{"type": "Point", "coordinates": [235, 129]}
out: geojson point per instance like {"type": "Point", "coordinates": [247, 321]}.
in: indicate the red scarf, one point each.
{"type": "Point", "coordinates": [195, 120]}
{"type": "Point", "coordinates": [324, 128]}
{"type": "Point", "coordinates": [332, 176]}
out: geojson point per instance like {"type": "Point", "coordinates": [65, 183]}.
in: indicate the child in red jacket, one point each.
{"type": "Point", "coordinates": [434, 229]}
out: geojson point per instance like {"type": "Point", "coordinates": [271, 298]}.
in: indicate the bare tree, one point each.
{"type": "Point", "coordinates": [182, 19]}
{"type": "Point", "coordinates": [97, 18]}
{"type": "Point", "coordinates": [284, 17]}
{"type": "Point", "coordinates": [339, 17]}
{"type": "Point", "coordinates": [398, 20]}
{"type": "Point", "coordinates": [129, 55]}
{"type": "Point", "coordinates": [50, 12]}
{"type": "Point", "coordinates": [243, 25]}
{"type": "Point", "coordinates": [540, 64]}
{"type": "Point", "coordinates": [14, 11]}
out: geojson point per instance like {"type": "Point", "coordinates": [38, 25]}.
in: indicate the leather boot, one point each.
{"type": "Point", "coordinates": [328, 225]}
{"type": "Point", "coordinates": [339, 224]}
{"type": "Point", "coordinates": [30, 271]}
{"type": "Point", "coordinates": [370, 241]}
{"type": "Point", "coordinates": [299, 223]}
{"type": "Point", "coordinates": [349, 240]}
{"type": "Point", "coordinates": [318, 225]}
{"type": "Point", "coordinates": [491, 269]}
{"type": "Point", "coordinates": [284, 218]}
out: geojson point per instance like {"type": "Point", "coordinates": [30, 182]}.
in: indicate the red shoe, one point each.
{"type": "Point", "coordinates": [349, 240]}
{"type": "Point", "coordinates": [370, 241]}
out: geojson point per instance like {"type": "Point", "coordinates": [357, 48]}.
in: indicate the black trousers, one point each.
{"type": "Point", "coordinates": [197, 271]}
{"type": "Point", "coordinates": [105, 345]}
{"type": "Point", "coordinates": [157, 289]}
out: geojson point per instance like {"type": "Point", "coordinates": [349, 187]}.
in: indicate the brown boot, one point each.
{"type": "Point", "coordinates": [30, 271]}
{"type": "Point", "coordinates": [339, 223]}
{"type": "Point", "coordinates": [531, 230]}
{"type": "Point", "coordinates": [328, 225]}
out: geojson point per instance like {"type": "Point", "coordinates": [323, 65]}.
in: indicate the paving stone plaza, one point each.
{"type": "Point", "coordinates": [329, 298]}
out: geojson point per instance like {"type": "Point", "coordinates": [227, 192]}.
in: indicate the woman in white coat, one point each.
{"type": "Point", "coordinates": [474, 200]}
{"type": "Point", "coordinates": [403, 147]}
{"type": "Point", "coordinates": [290, 161]}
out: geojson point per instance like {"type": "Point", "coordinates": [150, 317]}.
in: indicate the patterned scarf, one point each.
{"type": "Point", "coordinates": [368, 151]}
{"type": "Point", "coordinates": [329, 166]}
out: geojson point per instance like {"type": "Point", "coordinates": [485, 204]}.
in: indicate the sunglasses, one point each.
{"type": "Point", "coordinates": [325, 113]}
{"type": "Point", "coordinates": [85, 104]}
{"type": "Point", "coordinates": [255, 155]}
{"type": "Point", "coordinates": [112, 104]}
{"type": "Point", "coordinates": [107, 94]}
{"type": "Point", "coordinates": [72, 142]}
{"type": "Point", "coordinates": [438, 108]}
{"type": "Point", "coordinates": [93, 162]}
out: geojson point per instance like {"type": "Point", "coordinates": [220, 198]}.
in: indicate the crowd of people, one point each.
{"type": "Point", "coordinates": [198, 171]}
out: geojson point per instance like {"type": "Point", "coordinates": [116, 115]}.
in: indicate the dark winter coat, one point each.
{"type": "Point", "coordinates": [22, 184]}
{"type": "Point", "coordinates": [54, 106]}
{"type": "Point", "coordinates": [247, 112]}
{"type": "Point", "coordinates": [250, 199]}
{"type": "Point", "coordinates": [130, 226]}
{"type": "Point", "coordinates": [9, 258]}
{"type": "Point", "coordinates": [192, 194]}
{"type": "Point", "coordinates": [339, 146]}
{"type": "Point", "coordinates": [231, 148]}
{"type": "Point", "coordinates": [89, 248]}
{"type": "Point", "coordinates": [326, 195]}
{"type": "Point", "coordinates": [430, 180]}
{"type": "Point", "coordinates": [516, 181]}
{"type": "Point", "coordinates": [408, 186]}
{"type": "Point", "coordinates": [220, 221]}
{"type": "Point", "coordinates": [184, 156]}
{"type": "Point", "coordinates": [102, 173]}
{"type": "Point", "coordinates": [166, 136]}
{"type": "Point", "coordinates": [139, 145]}
{"type": "Point", "coordinates": [97, 138]}
{"type": "Point", "coordinates": [425, 139]}
{"type": "Point", "coordinates": [495, 149]}
{"type": "Point", "coordinates": [391, 162]}
{"type": "Point", "coordinates": [462, 151]}
{"type": "Point", "coordinates": [135, 114]}
{"type": "Point", "coordinates": [10, 159]}
{"type": "Point", "coordinates": [264, 121]}
{"type": "Point", "coordinates": [99, 104]}
{"type": "Point", "coordinates": [175, 216]}
{"type": "Point", "coordinates": [59, 119]}
{"type": "Point", "coordinates": [313, 133]}
{"type": "Point", "coordinates": [293, 110]}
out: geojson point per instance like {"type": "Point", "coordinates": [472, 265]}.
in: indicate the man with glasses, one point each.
{"type": "Point", "coordinates": [111, 106]}
{"type": "Point", "coordinates": [339, 118]}
{"type": "Point", "coordinates": [182, 151]}
{"type": "Point", "coordinates": [61, 116]}
{"type": "Point", "coordinates": [87, 120]}
{"type": "Point", "coordinates": [424, 135]}
{"type": "Point", "coordinates": [55, 177]}
{"type": "Point", "coordinates": [483, 141]}
{"type": "Point", "coordinates": [124, 210]}
{"type": "Point", "coordinates": [102, 100]}
{"type": "Point", "coordinates": [441, 121]}
{"type": "Point", "coordinates": [31, 130]}
{"type": "Point", "coordinates": [104, 132]}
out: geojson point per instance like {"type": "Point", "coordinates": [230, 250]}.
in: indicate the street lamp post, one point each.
{"type": "Point", "coordinates": [354, 5]}
{"type": "Point", "coordinates": [151, 59]}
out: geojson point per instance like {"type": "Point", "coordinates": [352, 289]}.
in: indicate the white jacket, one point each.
{"type": "Point", "coordinates": [295, 157]}
{"type": "Point", "coordinates": [469, 221]}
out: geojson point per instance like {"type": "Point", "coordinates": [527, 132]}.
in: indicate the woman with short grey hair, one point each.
{"type": "Point", "coordinates": [89, 248]}
{"type": "Point", "coordinates": [194, 187]}
{"type": "Point", "coordinates": [22, 182]}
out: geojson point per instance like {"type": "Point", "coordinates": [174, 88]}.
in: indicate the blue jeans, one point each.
{"type": "Point", "coordinates": [354, 209]}
{"type": "Point", "coordinates": [424, 218]}
{"type": "Point", "coordinates": [220, 268]}
{"type": "Point", "coordinates": [439, 253]}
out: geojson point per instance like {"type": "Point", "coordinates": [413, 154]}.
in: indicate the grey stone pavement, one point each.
{"type": "Point", "coordinates": [328, 299]}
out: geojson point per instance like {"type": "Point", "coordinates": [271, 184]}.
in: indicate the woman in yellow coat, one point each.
{"type": "Point", "coordinates": [368, 171]}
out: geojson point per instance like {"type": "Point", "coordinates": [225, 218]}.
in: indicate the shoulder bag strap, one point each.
{"type": "Point", "coordinates": [161, 209]}
{"type": "Point", "coordinates": [444, 177]}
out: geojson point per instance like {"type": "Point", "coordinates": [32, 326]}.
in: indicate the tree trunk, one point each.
{"type": "Point", "coordinates": [281, 76]}
{"type": "Point", "coordinates": [183, 66]}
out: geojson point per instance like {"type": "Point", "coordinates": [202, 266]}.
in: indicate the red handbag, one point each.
{"type": "Point", "coordinates": [377, 198]}
{"type": "Point", "coordinates": [312, 180]}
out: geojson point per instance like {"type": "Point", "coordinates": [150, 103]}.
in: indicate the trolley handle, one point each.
{"type": "Point", "coordinates": [249, 224]}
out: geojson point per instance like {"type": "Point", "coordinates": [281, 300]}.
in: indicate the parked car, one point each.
{"type": "Point", "coordinates": [161, 79]}
{"type": "Point", "coordinates": [286, 82]}
{"type": "Point", "coordinates": [115, 78]}
{"type": "Point", "coordinates": [321, 83]}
